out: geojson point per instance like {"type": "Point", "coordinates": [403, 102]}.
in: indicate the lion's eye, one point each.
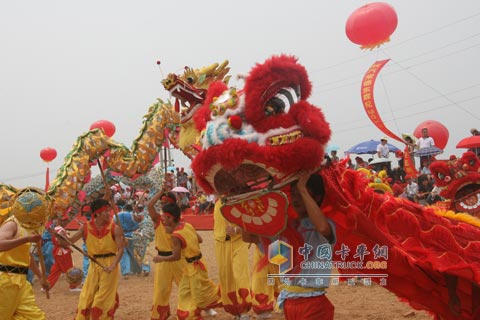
{"type": "Point", "coordinates": [441, 176]}
{"type": "Point", "coordinates": [282, 101]}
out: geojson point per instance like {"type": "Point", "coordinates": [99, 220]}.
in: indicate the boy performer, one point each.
{"type": "Point", "coordinates": [196, 291]}
{"type": "Point", "coordinates": [165, 271]}
{"type": "Point", "coordinates": [233, 266]}
{"type": "Point", "coordinates": [305, 298]}
{"type": "Point", "coordinates": [264, 294]}
{"type": "Point", "coordinates": [17, 301]}
{"type": "Point", "coordinates": [105, 242]}
{"type": "Point", "coordinates": [62, 254]}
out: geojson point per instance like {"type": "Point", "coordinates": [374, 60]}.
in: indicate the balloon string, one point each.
{"type": "Point", "coordinates": [47, 179]}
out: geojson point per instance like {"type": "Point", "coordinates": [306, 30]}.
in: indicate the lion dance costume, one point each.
{"type": "Point", "coordinates": [252, 142]}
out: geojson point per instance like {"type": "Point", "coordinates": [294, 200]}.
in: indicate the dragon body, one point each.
{"type": "Point", "coordinates": [162, 122]}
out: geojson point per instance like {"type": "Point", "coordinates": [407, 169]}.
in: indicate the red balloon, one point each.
{"type": "Point", "coordinates": [48, 154]}
{"type": "Point", "coordinates": [371, 25]}
{"type": "Point", "coordinates": [436, 130]}
{"type": "Point", "coordinates": [107, 126]}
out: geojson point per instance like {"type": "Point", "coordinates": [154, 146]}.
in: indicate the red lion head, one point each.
{"type": "Point", "coordinates": [257, 140]}
{"type": "Point", "coordinates": [460, 179]}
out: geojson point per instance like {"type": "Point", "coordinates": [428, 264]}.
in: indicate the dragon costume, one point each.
{"type": "Point", "coordinates": [163, 121]}
{"type": "Point", "coordinates": [255, 141]}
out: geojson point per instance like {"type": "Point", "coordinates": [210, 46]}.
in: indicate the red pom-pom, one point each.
{"type": "Point", "coordinates": [158, 62]}
{"type": "Point", "coordinates": [235, 122]}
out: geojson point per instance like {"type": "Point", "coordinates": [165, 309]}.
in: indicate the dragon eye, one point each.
{"type": "Point", "coordinates": [282, 101]}
{"type": "Point", "coordinates": [190, 80]}
{"type": "Point", "coordinates": [441, 176]}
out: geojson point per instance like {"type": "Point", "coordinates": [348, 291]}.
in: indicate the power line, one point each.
{"type": "Point", "coordinates": [407, 116]}
{"type": "Point", "coordinates": [442, 47]}
{"type": "Point", "coordinates": [23, 177]}
{"type": "Point", "coordinates": [400, 43]}
{"type": "Point", "coordinates": [408, 106]}
{"type": "Point", "coordinates": [391, 72]}
{"type": "Point", "coordinates": [436, 30]}
{"type": "Point", "coordinates": [445, 55]}
{"type": "Point", "coordinates": [437, 91]}
{"type": "Point", "coordinates": [357, 75]}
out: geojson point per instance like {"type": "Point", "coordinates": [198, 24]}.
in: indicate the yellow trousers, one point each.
{"type": "Point", "coordinates": [196, 292]}
{"type": "Point", "coordinates": [263, 292]}
{"type": "Point", "coordinates": [234, 275]}
{"type": "Point", "coordinates": [99, 299]}
{"type": "Point", "coordinates": [17, 301]}
{"type": "Point", "coordinates": [165, 273]}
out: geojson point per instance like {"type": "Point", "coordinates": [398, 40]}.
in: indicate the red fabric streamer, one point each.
{"type": "Point", "coordinates": [408, 165]}
{"type": "Point", "coordinates": [368, 100]}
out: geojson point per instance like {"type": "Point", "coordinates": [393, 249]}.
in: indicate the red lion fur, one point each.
{"type": "Point", "coordinates": [424, 244]}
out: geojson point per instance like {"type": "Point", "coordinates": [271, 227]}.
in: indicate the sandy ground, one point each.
{"type": "Point", "coordinates": [351, 302]}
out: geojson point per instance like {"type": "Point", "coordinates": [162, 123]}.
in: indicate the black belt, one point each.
{"type": "Point", "coordinates": [164, 253]}
{"type": "Point", "coordinates": [104, 255]}
{"type": "Point", "coordinates": [12, 269]}
{"type": "Point", "coordinates": [194, 259]}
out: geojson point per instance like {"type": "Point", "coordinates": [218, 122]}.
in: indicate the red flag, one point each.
{"type": "Point", "coordinates": [368, 100]}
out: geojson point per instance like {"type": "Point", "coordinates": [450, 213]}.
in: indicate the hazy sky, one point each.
{"type": "Point", "coordinates": [66, 64]}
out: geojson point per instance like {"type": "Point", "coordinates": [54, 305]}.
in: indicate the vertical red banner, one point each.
{"type": "Point", "coordinates": [408, 164]}
{"type": "Point", "coordinates": [368, 100]}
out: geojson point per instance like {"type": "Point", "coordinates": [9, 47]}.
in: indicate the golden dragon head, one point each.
{"type": "Point", "coordinates": [190, 88]}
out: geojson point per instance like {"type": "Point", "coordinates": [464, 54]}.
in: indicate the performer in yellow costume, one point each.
{"type": "Point", "coordinates": [16, 234]}
{"type": "Point", "coordinates": [233, 267]}
{"type": "Point", "coordinates": [264, 290]}
{"type": "Point", "coordinates": [196, 291]}
{"type": "Point", "coordinates": [165, 271]}
{"type": "Point", "coordinates": [105, 242]}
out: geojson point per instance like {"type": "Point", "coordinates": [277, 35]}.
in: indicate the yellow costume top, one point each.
{"type": "Point", "coordinates": [202, 199]}
{"type": "Point", "coordinates": [163, 240]}
{"type": "Point", "coordinates": [18, 256]}
{"type": "Point", "coordinates": [100, 241]}
{"type": "Point", "coordinates": [220, 225]}
{"type": "Point", "coordinates": [187, 235]}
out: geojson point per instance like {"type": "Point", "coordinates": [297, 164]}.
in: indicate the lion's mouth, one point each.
{"type": "Point", "coordinates": [187, 97]}
{"type": "Point", "coordinates": [245, 179]}
{"type": "Point", "coordinates": [467, 199]}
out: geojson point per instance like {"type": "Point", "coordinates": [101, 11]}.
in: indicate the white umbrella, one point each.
{"type": "Point", "coordinates": [180, 189]}
{"type": "Point", "coordinates": [380, 160]}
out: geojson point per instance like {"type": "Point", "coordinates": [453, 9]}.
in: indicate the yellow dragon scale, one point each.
{"type": "Point", "coordinates": [93, 144]}
{"type": "Point", "coordinates": [161, 120]}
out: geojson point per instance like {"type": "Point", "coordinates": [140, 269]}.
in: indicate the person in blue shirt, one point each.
{"type": "Point", "coordinates": [305, 297]}
{"type": "Point", "coordinates": [129, 222]}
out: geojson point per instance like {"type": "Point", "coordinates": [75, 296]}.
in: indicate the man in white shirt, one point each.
{"type": "Point", "coordinates": [382, 148]}
{"type": "Point", "coordinates": [425, 140]}
{"type": "Point", "coordinates": [411, 189]}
